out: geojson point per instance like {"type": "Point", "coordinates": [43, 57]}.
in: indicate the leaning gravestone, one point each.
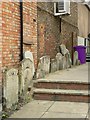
{"type": "Point", "coordinates": [63, 49]}
{"type": "Point", "coordinates": [43, 66]}
{"type": "Point", "coordinates": [11, 87]}
{"type": "Point", "coordinates": [53, 65]}
{"type": "Point", "coordinates": [59, 61]}
{"type": "Point", "coordinates": [26, 76]}
{"type": "Point", "coordinates": [75, 59]}
{"type": "Point", "coordinates": [67, 58]}
{"type": "Point", "coordinates": [29, 55]}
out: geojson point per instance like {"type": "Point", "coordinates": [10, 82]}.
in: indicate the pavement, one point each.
{"type": "Point", "coordinates": [74, 74]}
{"type": "Point", "coordinates": [52, 109]}
{"type": "Point", "coordinates": [60, 109]}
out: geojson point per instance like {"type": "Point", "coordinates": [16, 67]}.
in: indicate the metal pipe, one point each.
{"type": "Point", "coordinates": [21, 29]}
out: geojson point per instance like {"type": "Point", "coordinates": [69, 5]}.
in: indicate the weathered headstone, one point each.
{"type": "Point", "coordinates": [29, 55]}
{"type": "Point", "coordinates": [26, 75]}
{"type": "Point", "coordinates": [11, 87]}
{"type": "Point", "coordinates": [68, 60]}
{"type": "Point", "coordinates": [63, 49]}
{"type": "Point", "coordinates": [64, 62]}
{"type": "Point", "coordinates": [43, 66]}
{"type": "Point", "coordinates": [53, 65]}
{"type": "Point", "coordinates": [59, 61]}
{"type": "Point", "coordinates": [75, 59]}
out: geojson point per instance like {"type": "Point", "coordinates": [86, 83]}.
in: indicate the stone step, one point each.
{"type": "Point", "coordinates": [61, 95]}
{"type": "Point", "coordinates": [62, 84]}
{"type": "Point", "coordinates": [88, 58]}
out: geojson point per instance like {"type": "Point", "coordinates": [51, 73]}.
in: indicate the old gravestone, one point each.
{"type": "Point", "coordinates": [26, 76]}
{"type": "Point", "coordinates": [64, 63]}
{"type": "Point", "coordinates": [10, 90]}
{"type": "Point", "coordinates": [53, 65]}
{"type": "Point", "coordinates": [66, 56]}
{"type": "Point", "coordinates": [59, 61]}
{"type": "Point", "coordinates": [63, 49]}
{"type": "Point", "coordinates": [68, 60]}
{"type": "Point", "coordinates": [75, 59]}
{"type": "Point", "coordinates": [29, 55]}
{"type": "Point", "coordinates": [43, 66]}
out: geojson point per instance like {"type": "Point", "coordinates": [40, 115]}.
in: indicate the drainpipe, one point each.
{"type": "Point", "coordinates": [21, 30]}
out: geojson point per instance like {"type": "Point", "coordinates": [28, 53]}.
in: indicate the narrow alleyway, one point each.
{"type": "Point", "coordinates": [58, 109]}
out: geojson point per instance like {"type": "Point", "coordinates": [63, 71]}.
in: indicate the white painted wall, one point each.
{"type": "Point", "coordinates": [80, 40]}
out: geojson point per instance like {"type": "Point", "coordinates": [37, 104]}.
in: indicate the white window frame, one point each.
{"type": "Point", "coordinates": [63, 12]}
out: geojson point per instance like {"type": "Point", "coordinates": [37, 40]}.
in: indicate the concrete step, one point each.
{"type": "Point", "coordinates": [60, 84]}
{"type": "Point", "coordinates": [88, 58]}
{"type": "Point", "coordinates": [61, 95]}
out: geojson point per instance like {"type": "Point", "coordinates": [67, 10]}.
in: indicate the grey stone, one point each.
{"type": "Point", "coordinates": [64, 63]}
{"type": "Point", "coordinates": [26, 75]}
{"type": "Point", "coordinates": [63, 49]}
{"type": "Point", "coordinates": [75, 59]}
{"type": "Point", "coordinates": [59, 61]}
{"type": "Point", "coordinates": [53, 65]}
{"type": "Point", "coordinates": [29, 55]}
{"type": "Point", "coordinates": [43, 66]}
{"type": "Point", "coordinates": [11, 87]}
{"type": "Point", "coordinates": [78, 62]}
{"type": "Point", "coordinates": [68, 60]}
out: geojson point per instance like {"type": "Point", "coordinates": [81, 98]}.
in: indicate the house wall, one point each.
{"type": "Point", "coordinates": [48, 30]}
{"type": "Point", "coordinates": [69, 27]}
{"type": "Point", "coordinates": [30, 28]}
{"type": "Point", "coordinates": [83, 20]}
{"type": "Point", "coordinates": [50, 35]}
{"type": "Point", "coordinates": [10, 34]}
{"type": "Point", "coordinates": [11, 31]}
{"type": "Point", "coordinates": [0, 43]}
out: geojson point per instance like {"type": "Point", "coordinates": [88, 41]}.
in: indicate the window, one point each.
{"type": "Point", "coordinates": [62, 7]}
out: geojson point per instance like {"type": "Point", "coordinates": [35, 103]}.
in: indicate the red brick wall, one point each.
{"type": "Point", "coordinates": [10, 33]}
{"type": "Point", "coordinates": [0, 42]}
{"type": "Point", "coordinates": [69, 26]}
{"type": "Point", "coordinates": [48, 30]}
{"type": "Point", "coordinates": [30, 28]}
{"type": "Point", "coordinates": [51, 34]}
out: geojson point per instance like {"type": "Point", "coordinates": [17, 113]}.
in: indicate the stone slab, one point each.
{"type": "Point", "coordinates": [69, 107]}
{"type": "Point", "coordinates": [64, 115]}
{"type": "Point", "coordinates": [26, 75]}
{"type": "Point", "coordinates": [34, 109]}
{"type": "Point", "coordinates": [63, 49]}
{"type": "Point", "coordinates": [78, 74]}
{"type": "Point", "coordinates": [53, 65]}
{"type": "Point", "coordinates": [29, 55]}
{"type": "Point", "coordinates": [43, 66]}
{"type": "Point", "coordinates": [10, 92]}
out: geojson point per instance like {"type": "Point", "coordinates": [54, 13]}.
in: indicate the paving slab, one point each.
{"type": "Point", "coordinates": [63, 115]}
{"type": "Point", "coordinates": [77, 73]}
{"type": "Point", "coordinates": [34, 109]}
{"type": "Point", "coordinates": [52, 109]}
{"type": "Point", "coordinates": [69, 107]}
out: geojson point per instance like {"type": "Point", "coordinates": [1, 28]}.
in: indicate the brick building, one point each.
{"type": "Point", "coordinates": [42, 32]}
{"type": "Point", "coordinates": [52, 30]}
{"type": "Point", "coordinates": [11, 33]}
